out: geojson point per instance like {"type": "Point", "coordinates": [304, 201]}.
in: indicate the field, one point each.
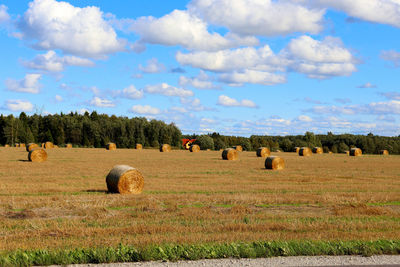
{"type": "Point", "coordinates": [194, 198]}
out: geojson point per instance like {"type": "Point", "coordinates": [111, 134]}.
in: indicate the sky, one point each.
{"type": "Point", "coordinates": [242, 67]}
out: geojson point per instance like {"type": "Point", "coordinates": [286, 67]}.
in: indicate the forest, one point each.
{"type": "Point", "coordinates": [96, 130]}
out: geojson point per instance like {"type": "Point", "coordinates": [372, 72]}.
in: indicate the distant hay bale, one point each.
{"type": "Point", "coordinates": [6, 145]}
{"type": "Point", "coordinates": [305, 152]}
{"type": "Point", "coordinates": [111, 146]}
{"type": "Point", "coordinates": [68, 145]}
{"type": "Point", "coordinates": [238, 148]}
{"type": "Point", "coordinates": [263, 152]}
{"type": "Point", "coordinates": [194, 148]}
{"type": "Point", "coordinates": [31, 146]}
{"type": "Point", "coordinates": [347, 152]}
{"type": "Point", "coordinates": [384, 152]}
{"type": "Point", "coordinates": [37, 155]}
{"type": "Point", "coordinates": [42, 145]}
{"type": "Point", "coordinates": [165, 148]}
{"type": "Point", "coordinates": [274, 163]}
{"type": "Point", "coordinates": [21, 145]}
{"type": "Point", "coordinates": [355, 152]}
{"type": "Point", "coordinates": [17, 145]}
{"type": "Point", "coordinates": [230, 154]}
{"type": "Point", "coordinates": [330, 152]}
{"type": "Point", "coordinates": [317, 150]}
{"type": "Point", "coordinates": [124, 179]}
{"type": "Point", "coordinates": [208, 149]}
{"type": "Point", "coordinates": [48, 145]}
{"type": "Point", "coordinates": [296, 149]}
{"type": "Point", "coordinates": [55, 146]}
{"type": "Point", "coordinates": [139, 146]}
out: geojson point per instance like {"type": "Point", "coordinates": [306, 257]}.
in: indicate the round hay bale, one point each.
{"type": "Point", "coordinates": [31, 146]}
{"type": "Point", "coordinates": [139, 146]}
{"type": "Point", "coordinates": [274, 163]}
{"type": "Point", "coordinates": [68, 146]}
{"type": "Point", "coordinates": [48, 145]}
{"type": "Point", "coordinates": [355, 152]}
{"type": "Point", "coordinates": [165, 148]}
{"type": "Point", "coordinates": [230, 154]}
{"type": "Point", "coordinates": [6, 145]}
{"type": "Point", "coordinates": [263, 152]}
{"type": "Point", "coordinates": [208, 149]}
{"type": "Point", "coordinates": [111, 146]}
{"type": "Point", "coordinates": [194, 148]}
{"type": "Point", "coordinates": [305, 152]}
{"type": "Point", "coordinates": [330, 152]}
{"type": "Point", "coordinates": [22, 145]}
{"type": "Point", "coordinates": [296, 149]}
{"type": "Point", "coordinates": [17, 145]}
{"type": "Point", "coordinates": [124, 179]}
{"type": "Point", "coordinates": [238, 148]}
{"type": "Point", "coordinates": [347, 152]}
{"type": "Point", "coordinates": [384, 152]}
{"type": "Point", "coordinates": [317, 150]}
{"type": "Point", "coordinates": [37, 155]}
{"type": "Point", "coordinates": [55, 146]}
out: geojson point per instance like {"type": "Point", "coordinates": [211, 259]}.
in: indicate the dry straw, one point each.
{"type": "Point", "coordinates": [48, 145]}
{"type": "Point", "coordinates": [317, 150]}
{"type": "Point", "coordinates": [355, 152]}
{"type": "Point", "coordinates": [305, 152]}
{"type": "Point", "coordinates": [230, 154]}
{"type": "Point", "coordinates": [31, 146]}
{"type": "Point", "coordinates": [7, 145]}
{"type": "Point", "coordinates": [296, 149]}
{"type": "Point", "coordinates": [238, 148]}
{"type": "Point", "coordinates": [111, 146]}
{"type": "Point", "coordinates": [384, 152]}
{"type": "Point", "coordinates": [22, 145]}
{"type": "Point", "coordinates": [165, 148]}
{"type": "Point", "coordinates": [139, 146]}
{"type": "Point", "coordinates": [124, 179]}
{"type": "Point", "coordinates": [194, 148]}
{"type": "Point", "coordinates": [274, 163]}
{"type": "Point", "coordinates": [68, 146]}
{"type": "Point", "coordinates": [17, 145]}
{"type": "Point", "coordinates": [263, 152]}
{"type": "Point", "coordinates": [42, 145]}
{"type": "Point", "coordinates": [37, 155]}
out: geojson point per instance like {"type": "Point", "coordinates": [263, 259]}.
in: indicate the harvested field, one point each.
{"type": "Point", "coordinates": [329, 197]}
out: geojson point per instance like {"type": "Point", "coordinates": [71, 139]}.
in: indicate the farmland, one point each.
{"type": "Point", "coordinates": [194, 198]}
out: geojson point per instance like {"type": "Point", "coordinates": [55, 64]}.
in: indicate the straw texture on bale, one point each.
{"type": "Point", "coordinates": [31, 146]}
{"type": "Point", "coordinates": [263, 152]}
{"type": "Point", "coordinates": [68, 145]}
{"type": "Point", "coordinates": [7, 145]}
{"type": "Point", "coordinates": [384, 152]}
{"type": "Point", "coordinates": [194, 148]}
{"type": "Point", "coordinates": [37, 155]}
{"type": "Point", "coordinates": [17, 145]}
{"type": "Point", "coordinates": [124, 179]}
{"type": "Point", "coordinates": [274, 163]}
{"type": "Point", "coordinates": [22, 145]}
{"type": "Point", "coordinates": [317, 150]}
{"type": "Point", "coordinates": [230, 154]}
{"type": "Point", "coordinates": [305, 152]}
{"type": "Point", "coordinates": [139, 146]}
{"type": "Point", "coordinates": [111, 146]}
{"type": "Point", "coordinates": [355, 152]}
{"type": "Point", "coordinates": [165, 148]}
{"type": "Point", "coordinates": [238, 148]}
{"type": "Point", "coordinates": [296, 149]}
{"type": "Point", "coordinates": [48, 145]}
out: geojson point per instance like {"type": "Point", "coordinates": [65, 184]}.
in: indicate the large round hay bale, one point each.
{"type": "Point", "coordinates": [305, 152]}
{"type": "Point", "coordinates": [317, 150]}
{"type": "Point", "coordinates": [263, 152]}
{"type": "Point", "coordinates": [22, 145]}
{"type": "Point", "coordinates": [238, 148]}
{"type": "Point", "coordinates": [37, 155]}
{"type": "Point", "coordinates": [194, 148]}
{"type": "Point", "coordinates": [165, 148]}
{"type": "Point", "coordinates": [48, 145]}
{"type": "Point", "coordinates": [384, 152]}
{"type": "Point", "coordinates": [296, 149]}
{"type": "Point", "coordinates": [139, 146]}
{"type": "Point", "coordinates": [274, 163]}
{"type": "Point", "coordinates": [124, 179]}
{"type": "Point", "coordinates": [230, 154]}
{"type": "Point", "coordinates": [111, 146]}
{"type": "Point", "coordinates": [31, 146]}
{"type": "Point", "coordinates": [355, 152]}
{"type": "Point", "coordinates": [68, 146]}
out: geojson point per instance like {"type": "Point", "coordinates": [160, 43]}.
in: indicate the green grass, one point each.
{"type": "Point", "coordinates": [124, 253]}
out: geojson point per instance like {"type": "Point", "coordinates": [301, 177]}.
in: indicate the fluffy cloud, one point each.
{"type": "Point", "coordinates": [19, 105]}
{"type": "Point", "coordinates": [193, 104]}
{"type": "Point", "coordinates": [101, 103]}
{"type": "Point", "coordinates": [392, 95]}
{"type": "Point", "coordinates": [367, 85]}
{"type": "Point", "coordinates": [227, 101]}
{"type": "Point", "coordinates": [145, 110]}
{"type": "Point", "coordinates": [59, 25]}
{"type": "Point", "coordinates": [53, 63]}
{"type": "Point", "coordinates": [30, 84]}
{"type": "Point", "coordinates": [130, 92]}
{"type": "Point", "coordinates": [202, 81]}
{"type": "Point", "coordinates": [58, 98]}
{"type": "Point", "coordinates": [153, 66]}
{"type": "Point", "coordinates": [251, 76]}
{"type": "Point", "coordinates": [184, 29]}
{"type": "Point", "coordinates": [259, 17]}
{"type": "Point", "coordinates": [384, 108]}
{"type": "Point", "coordinates": [167, 90]}
{"type": "Point", "coordinates": [391, 56]}
{"type": "Point", "coordinates": [304, 118]}
{"type": "Point", "coordinates": [3, 14]}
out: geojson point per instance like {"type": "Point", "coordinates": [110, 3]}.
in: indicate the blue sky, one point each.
{"type": "Point", "coordinates": [238, 67]}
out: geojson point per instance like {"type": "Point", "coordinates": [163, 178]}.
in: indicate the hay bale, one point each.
{"type": "Point", "coordinates": [208, 149]}
{"type": "Point", "coordinates": [296, 149]}
{"type": "Point", "coordinates": [37, 155]}
{"type": "Point", "coordinates": [330, 152]}
{"type": "Point", "coordinates": [22, 145]}
{"type": "Point", "coordinates": [238, 148]}
{"type": "Point", "coordinates": [16, 144]}
{"type": "Point", "coordinates": [6, 145]}
{"type": "Point", "coordinates": [48, 145]}
{"type": "Point", "coordinates": [347, 152]}
{"type": "Point", "coordinates": [355, 152]}
{"type": "Point", "coordinates": [55, 146]}
{"type": "Point", "coordinates": [31, 146]}
{"type": "Point", "coordinates": [384, 152]}
{"type": "Point", "coordinates": [194, 148]}
{"type": "Point", "coordinates": [111, 146]}
{"type": "Point", "coordinates": [263, 152]}
{"type": "Point", "coordinates": [68, 146]}
{"type": "Point", "coordinates": [274, 163]}
{"type": "Point", "coordinates": [317, 150]}
{"type": "Point", "coordinates": [230, 154]}
{"type": "Point", "coordinates": [305, 152]}
{"type": "Point", "coordinates": [139, 146]}
{"type": "Point", "coordinates": [124, 179]}
{"type": "Point", "coordinates": [165, 148]}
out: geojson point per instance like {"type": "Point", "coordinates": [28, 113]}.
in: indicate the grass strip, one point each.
{"type": "Point", "coordinates": [126, 253]}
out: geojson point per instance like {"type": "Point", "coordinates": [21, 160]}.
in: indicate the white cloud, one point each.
{"type": "Point", "coordinates": [101, 103]}
{"type": "Point", "coordinates": [184, 29]}
{"type": "Point", "coordinates": [145, 110]}
{"type": "Point", "coordinates": [83, 111]}
{"type": "Point", "coordinates": [389, 107]}
{"type": "Point", "coordinates": [227, 101]}
{"type": "Point", "coordinates": [251, 76]}
{"type": "Point", "coordinates": [167, 90]}
{"type": "Point", "coordinates": [4, 17]}
{"type": "Point", "coordinates": [19, 105]}
{"type": "Point", "coordinates": [53, 63]}
{"type": "Point", "coordinates": [131, 92]}
{"type": "Point", "coordinates": [153, 66]}
{"type": "Point", "coordinates": [392, 95]}
{"type": "Point", "coordinates": [304, 118]}
{"type": "Point", "coordinates": [30, 84]}
{"type": "Point", "coordinates": [367, 85]}
{"type": "Point", "coordinates": [202, 81]}
{"type": "Point", "coordinates": [391, 56]}
{"type": "Point", "coordinates": [59, 25]}
{"type": "Point", "coordinates": [58, 98]}
{"type": "Point", "coordinates": [193, 104]}
{"type": "Point", "coordinates": [259, 17]}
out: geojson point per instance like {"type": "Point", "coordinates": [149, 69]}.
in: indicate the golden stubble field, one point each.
{"type": "Point", "coordinates": [194, 198]}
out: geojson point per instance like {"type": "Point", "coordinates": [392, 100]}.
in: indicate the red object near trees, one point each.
{"type": "Point", "coordinates": [186, 143]}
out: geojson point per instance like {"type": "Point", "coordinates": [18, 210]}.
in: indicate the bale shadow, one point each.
{"type": "Point", "coordinates": [96, 191]}
{"type": "Point", "coordinates": [24, 160]}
